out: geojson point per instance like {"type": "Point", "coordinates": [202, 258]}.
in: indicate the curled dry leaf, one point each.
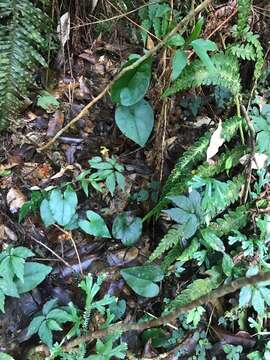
{"type": "Point", "coordinates": [55, 123]}
{"type": "Point", "coordinates": [258, 162]}
{"type": "Point", "coordinates": [63, 28]}
{"type": "Point", "coordinates": [15, 200]}
{"type": "Point", "coordinates": [215, 143]}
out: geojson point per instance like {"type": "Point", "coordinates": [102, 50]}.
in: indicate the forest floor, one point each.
{"type": "Point", "coordinates": [90, 60]}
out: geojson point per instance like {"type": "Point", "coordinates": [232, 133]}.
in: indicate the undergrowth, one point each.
{"type": "Point", "coordinates": [218, 219]}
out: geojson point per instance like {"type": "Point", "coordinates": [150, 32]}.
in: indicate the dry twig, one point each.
{"type": "Point", "coordinates": [208, 298]}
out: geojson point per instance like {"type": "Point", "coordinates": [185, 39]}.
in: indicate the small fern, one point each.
{"type": "Point", "coordinates": [173, 236]}
{"type": "Point", "coordinates": [168, 241]}
{"type": "Point", "coordinates": [243, 51]}
{"type": "Point", "coordinates": [244, 8]}
{"type": "Point", "coordinates": [197, 289]}
{"type": "Point", "coordinates": [253, 40]}
{"type": "Point", "coordinates": [22, 36]}
{"type": "Point", "coordinates": [182, 173]}
{"type": "Point", "coordinates": [196, 74]}
{"type": "Point", "coordinates": [234, 219]}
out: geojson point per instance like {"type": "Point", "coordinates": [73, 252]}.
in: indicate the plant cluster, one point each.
{"type": "Point", "coordinates": [207, 199]}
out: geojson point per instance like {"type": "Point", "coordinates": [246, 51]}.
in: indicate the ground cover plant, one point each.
{"type": "Point", "coordinates": [134, 180]}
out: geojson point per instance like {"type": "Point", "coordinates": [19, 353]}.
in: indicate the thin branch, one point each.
{"type": "Point", "coordinates": [181, 26]}
{"type": "Point", "coordinates": [252, 135]}
{"type": "Point", "coordinates": [208, 298]}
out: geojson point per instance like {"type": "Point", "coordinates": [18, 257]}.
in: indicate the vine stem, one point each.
{"type": "Point", "coordinates": [163, 320]}
{"type": "Point", "coordinates": [181, 26]}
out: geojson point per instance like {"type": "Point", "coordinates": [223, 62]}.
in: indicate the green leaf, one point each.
{"type": "Point", "coordinates": [96, 226]}
{"type": "Point", "coordinates": [2, 301]}
{"type": "Point", "coordinates": [258, 301]}
{"type": "Point", "coordinates": [245, 296]}
{"type": "Point", "coordinates": [22, 252]}
{"type": "Point", "coordinates": [49, 305]}
{"type": "Point", "coordinates": [179, 62]}
{"type": "Point", "coordinates": [4, 356]}
{"type": "Point", "coordinates": [176, 40]}
{"type": "Point", "coordinates": [118, 309]}
{"type": "Point", "coordinates": [63, 206]}
{"type": "Point", "coordinates": [136, 122]}
{"type": "Point", "coordinates": [142, 278]}
{"type": "Point", "coordinates": [127, 228]}
{"type": "Point", "coordinates": [46, 214]}
{"type": "Point", "coordinates": [227, 265]}
{"type": "Point", "coordinates": [210, 239]}
{"type": "Point", "coordinates": [266, 294]}
{"type": "Point", "coordinates": [45, 334]}
{"type": "Point", "coordinates": [35, 325]}
{"type": "Point", "coordinates": [9, 288]}
{"type": "Point", "coordinates": [190, 227]}
{"type": "Point", "coordinates": [47, 101]}
{"type": "Point", "coordinates": [34, 274]}
{"type": "Point", "coordinates": [111, 183]}
{"type": "Point", "coordinates": [53, 325]}
{"type": "Point", "coordinates": [6, 269]}
{"type": "Point", "coordinates": [59, 315]}
{"type": "Point", "coordinates": [17, 264]}
{"type": "Point", "coordinates": [196, 32]}
{"type": "Point", "coordinates": [133, 85]}
{"type": "Point", "coordinates": [201, 47]}
{"type": "Point", "coordinates": [121, 181]}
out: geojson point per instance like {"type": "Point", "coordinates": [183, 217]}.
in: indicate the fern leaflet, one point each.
{"type": "Point", "coordinates": [196, 74]}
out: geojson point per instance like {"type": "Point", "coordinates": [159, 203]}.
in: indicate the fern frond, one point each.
{"type": "Point", "coordinates": [236, 220]}
{"type": "Point", "coordinates": [243, 51]}
{"type": "Point", "coordinates": [244, 8]}
{"type": "Point", "coordinates": [182, 173]}
{"type": "Point", "coordinates": [253, 39]}
{"type": "Point", "coordinates": [196, 74]}
{"type": "Point", "coordinates": [173, 236]}
{"type": "Point", "coordinates": [168, 241]}
{"type": "Point", "coordinates": [196, 289]}
{"type": "Point", "coordinates": [22, 38]}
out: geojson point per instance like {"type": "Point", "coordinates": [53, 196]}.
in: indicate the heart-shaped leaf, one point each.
{"type": "Point", "coordinates": [127, 228]}
{"type": "Point", "coordinates": [96, 226]}
{"type": "Point", "coordinates": [62, 206]}
{"type": "Point", "coordinates": [133, 85]}
{"type": "Point", "coordinates": [46, 214]}
{"type": "Point", "coordinates": [34, 274]}
{"type": "Point", "coordinates": [142, 279]}
{"type": "Point", "coordinates": [135, 122]}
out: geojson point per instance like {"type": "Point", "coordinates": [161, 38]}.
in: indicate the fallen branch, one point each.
{"type": "Point", "coordinates": [211, 297]}
{"type": "Point", "coordinates": [181, 26]}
